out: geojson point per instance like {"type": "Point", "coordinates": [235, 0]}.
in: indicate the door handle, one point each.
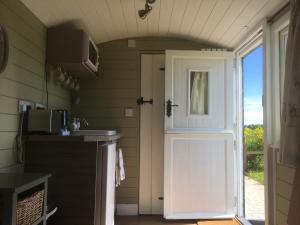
{"type": "Point", "coordinates": [169, 107]}
{"type": "Point", "coordinates": [141, 101]}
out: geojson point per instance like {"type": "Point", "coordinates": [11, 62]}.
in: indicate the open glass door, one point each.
{"type": "Point", "coordinates": [250, 129]}
{"type": "Point", "coordinates": [253, 131]}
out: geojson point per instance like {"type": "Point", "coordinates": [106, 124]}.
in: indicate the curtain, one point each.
{"type": "Point", "coordinates": [290, 122]}
{"type": "Point", "coordinates": [198, 98]}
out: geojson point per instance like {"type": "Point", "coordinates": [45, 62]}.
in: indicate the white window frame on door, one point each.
{"type": "Point", "coordinates": [208, 95]}
{"type": "Point", "coordinates": [169, 123]}
{"type": "Point", "coordinates": [254, 40]}
{"type": "Point", "coordinates": [278, 29]}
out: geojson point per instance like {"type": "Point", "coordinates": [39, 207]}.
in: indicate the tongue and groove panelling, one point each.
{"type": "Point", "coordinates": [284, 186]}
{"type": "Point", "coordinates": [24, 76]}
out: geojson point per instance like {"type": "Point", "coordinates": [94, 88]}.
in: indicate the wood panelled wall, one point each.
{"type": "Point", "coordinates": [285, 180]}
{"type": "Point", "coordinates": [24, 76]}
{"type": "Point", "coordinates": [104, 100]}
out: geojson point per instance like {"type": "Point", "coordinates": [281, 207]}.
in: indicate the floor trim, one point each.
{"type": "Point", "coordinates": [127, 209]}
{"type": "Point", "coordinates": [17, 168]}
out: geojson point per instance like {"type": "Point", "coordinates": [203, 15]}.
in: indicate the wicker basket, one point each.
{"type": "Point", "coordinates": [30, 209]}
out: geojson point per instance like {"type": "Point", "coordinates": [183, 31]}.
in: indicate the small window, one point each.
{"type": "Point", "coordinates": [198, 81]}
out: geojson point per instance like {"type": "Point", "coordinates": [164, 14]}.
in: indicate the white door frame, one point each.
{"type": "Point", "coordinates": [245, 48]}
{"type": "Point", "coordinates": [268, 38]}
{"type": "Point", "coordinates": [277, 29]}
{"type": "Point", "coordinates": [262, 36]}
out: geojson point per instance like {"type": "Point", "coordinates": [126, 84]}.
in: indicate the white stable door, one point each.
{"type": "Point", "coordinates": [200, 158]}
{"type": "Point", "coordinates": [152, 134]}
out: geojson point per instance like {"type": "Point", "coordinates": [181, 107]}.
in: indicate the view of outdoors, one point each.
{"type": "Point", "coordinates": [253, 134]}
{"type": "Point", "coordinates": [253, 114]}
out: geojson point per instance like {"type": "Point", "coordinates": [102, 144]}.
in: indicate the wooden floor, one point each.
{"type": "Point", "coordinates": [219, 222]}
{"type": "Point", "coordinates": [149, 220]}
{"type": "Point", "coordinates": [158, 220]}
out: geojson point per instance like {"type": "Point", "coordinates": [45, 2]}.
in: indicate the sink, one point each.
{"type": "Point", "coordinates": [94, 132]}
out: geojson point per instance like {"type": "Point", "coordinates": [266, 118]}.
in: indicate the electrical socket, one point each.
{"type": "Point", "coordinates": [129, 112]}
{"type": "Point", "coordinates": [23, 105]}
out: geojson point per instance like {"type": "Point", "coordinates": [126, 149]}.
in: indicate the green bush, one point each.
{"type": "Point", "coordinates": [254, 141]}
{"type": "Point", "coordinates": [253, 138]}
{"type": "Point", "coordinates": [255, 163]}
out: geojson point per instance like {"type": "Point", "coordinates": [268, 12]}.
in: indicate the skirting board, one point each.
{"type": "Point", "coordinates": [17, 168]}
{"type": "Point", "coordinates": [127, 209]}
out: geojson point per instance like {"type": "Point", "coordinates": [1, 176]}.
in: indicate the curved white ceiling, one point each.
{"type": "Point", "coordinates": [223, 22]}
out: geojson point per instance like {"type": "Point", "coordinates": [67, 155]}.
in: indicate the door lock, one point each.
{"type": "Point", "coordinates": [141, 101]}
{"type": "Point", "coordinates": [169, 107]}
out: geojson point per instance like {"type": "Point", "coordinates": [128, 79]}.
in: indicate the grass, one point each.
{"type": "Point", "coordinates": [256, 175]}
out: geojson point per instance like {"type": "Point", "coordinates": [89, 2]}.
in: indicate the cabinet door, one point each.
{"type": "Point", "coordinates": [108, 184]}
{"type": "Point", "coordinates": [98, 200]}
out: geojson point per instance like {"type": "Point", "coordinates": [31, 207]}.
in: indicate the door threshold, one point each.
{"type": "Point", "coordinates": [232, 221]}
{"type": "Point", "coordinates": [243, 221]}
{"type": "Point", "coordinates": [199, 216]}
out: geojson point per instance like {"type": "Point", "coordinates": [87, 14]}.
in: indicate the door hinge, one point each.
{"type": "Point", "coordinates": [235, 145]}
{"type": "Point", "coordinates": [235, 201]}
{"type": "Point", "coordinates": [234, 63]}
{"type": "Point", "coordinates": [162, 69]}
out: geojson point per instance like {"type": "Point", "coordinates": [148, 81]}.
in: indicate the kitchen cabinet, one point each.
{"type": "Point", "coordinates": [109, 185]}
{"type": "Point", "coordinates": [83, 177]}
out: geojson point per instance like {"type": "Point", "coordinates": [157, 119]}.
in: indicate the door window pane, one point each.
{"type": "Point", "coordinates": [198, 92]}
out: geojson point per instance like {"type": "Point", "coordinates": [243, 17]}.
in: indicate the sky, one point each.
{"type": "Point", "coordinates": [253, 87]}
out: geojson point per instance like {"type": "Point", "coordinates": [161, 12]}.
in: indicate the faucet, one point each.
{"type": "Point", "coordinates": [85, 122]}
{"type": "Point", "coordinates": [77, 122]}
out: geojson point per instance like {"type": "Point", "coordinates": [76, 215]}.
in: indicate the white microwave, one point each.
{"type": "Point", "coordinates": [73, 50]}
{"type": "Point", "coordinates": [92, 59]}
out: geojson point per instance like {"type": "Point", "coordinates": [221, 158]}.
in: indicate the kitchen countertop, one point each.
{"type": "Point", "coordinates": [84, 138]}
{"type": "Point", "coordinates": [101, 138]}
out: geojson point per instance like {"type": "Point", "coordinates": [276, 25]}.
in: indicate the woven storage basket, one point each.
{"type": "Point", "coordinates": [30, 209]}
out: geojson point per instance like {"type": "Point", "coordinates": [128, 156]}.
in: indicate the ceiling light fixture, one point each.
{"type": "Point", "coordinates": [143, 13]}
